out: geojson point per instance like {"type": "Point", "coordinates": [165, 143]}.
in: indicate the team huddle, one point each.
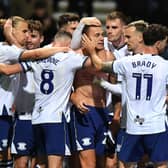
{"type": "Point", "coordinates": [84, 100]}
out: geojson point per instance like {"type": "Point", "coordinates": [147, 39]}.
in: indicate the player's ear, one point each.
{"type": "Point", "coordinates": [157, 44]}
{"type": "Point", "coordinates": [140, 37]}
{"type": "Point", "coordinates": [41, 39]}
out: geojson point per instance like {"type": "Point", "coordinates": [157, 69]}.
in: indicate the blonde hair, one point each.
{"type": "Point", "coordinates": [15, 21]}
{"type": "Point", "coordinates": [2, 22]}
{"type": "Point", "coordinates": [140, 25]}
{"type": "Point", "coordinates": [138, 22]}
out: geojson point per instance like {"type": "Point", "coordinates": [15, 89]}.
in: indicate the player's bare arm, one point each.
{"type": "Point", "coordinates": [41, 53]}
{"type": "Point", "coordinates": [7, 30]}
{"type": "Point", "coordinates": [77, 35]}
{"type": "Point", "coordinates": [97, 62]}
{"type": "Point", "coordinates": [10, 69]}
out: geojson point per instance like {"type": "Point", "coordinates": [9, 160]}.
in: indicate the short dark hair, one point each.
{"type": "Point", "coordinates": [65, 18]}
{"type": "Point", "coordinates": [154, 33]}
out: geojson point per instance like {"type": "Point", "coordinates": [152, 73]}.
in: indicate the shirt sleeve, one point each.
{"type": "Point", "coordinates": [118, 67]}
{"type": "Point", "coordinates": [77, 60]}
{"type": "Point", "coordinates": [19, 50]}
{"type": "Point", "coordinates": [76, 37]}
{"type": "Point", "coordinates": [26, 66]}
{"type": "Point", "coordinates": [11, 53]}
{"type": "Point", "coordinates": [114, 88]}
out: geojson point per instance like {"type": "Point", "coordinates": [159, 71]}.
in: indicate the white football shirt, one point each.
{"type": "Point", "coordinates": [119, 53]}
{"type": "Point", "coordinates": [8, 84]}
{"type": "Point", "coordinates": [53, 82]}
{"type": "Point", "coordinates": [145, 79]}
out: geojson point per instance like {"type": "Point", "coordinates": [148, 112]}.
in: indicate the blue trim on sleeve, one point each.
{"type": "Point", "coordinates": [25, 66]}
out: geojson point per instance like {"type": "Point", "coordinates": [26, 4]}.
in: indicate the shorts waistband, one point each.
{"type": "Point", "coordinates": [24, 116]}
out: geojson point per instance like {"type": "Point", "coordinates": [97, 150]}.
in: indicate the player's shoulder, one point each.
{"type": "Point", "coordinates": [159, 59]}
{"type": "Point", "coordinates": [127, 58]}
{"type": "Point", "coordinates": [63, 55]}
{"type": "Point", "coordinates": [11, 48]}
{"type": "Point", "coordinates": [4, 45]}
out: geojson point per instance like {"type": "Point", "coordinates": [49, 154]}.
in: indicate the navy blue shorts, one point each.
{"type": "Point", "coordinates": [135, 146]}
{"type": "Point", "coordinates": [90, 129]}
{"type": "Point", "coordinates": [52, 139]}
{"type": "Point", "coordinates": [6, 124]}
{"type": "Point", "coordinates": [120, 139]}
{"type": "Point", "coordinates": [23, 138]}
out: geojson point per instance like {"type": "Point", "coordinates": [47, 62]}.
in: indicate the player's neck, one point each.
{"type": "Point", "coordinates": [150, 50]}
{"type": "Point", "coordinates": [119, 43]}
{"type": "Point", "coordinates": [139, 49]}
{"type": "Point", "coordinates": [100, 51]}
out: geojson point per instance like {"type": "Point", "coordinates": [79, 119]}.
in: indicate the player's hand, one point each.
{"type": "Point", "coordinates": [8, 28]}
{"type": "Point", "coordinates": [8, 25]}
{"type": "Point", "coordinates": [88, 44]}
{"type": "Point", "coordinates": [79, 103]}
{"type": "Point", "coordinates": [97, 81]}
{"type": "Point", "coordinates": [91, 21]}
{"type": "Point", "coordinates": [81, 106]}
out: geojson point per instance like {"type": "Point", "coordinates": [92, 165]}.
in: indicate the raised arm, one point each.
{"type": "Point", "coordinates": [7, 29]}
{"type": "Point", "coordinates": [97, 62]}
{"type": "Point", "coordinates": [77, 34]}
